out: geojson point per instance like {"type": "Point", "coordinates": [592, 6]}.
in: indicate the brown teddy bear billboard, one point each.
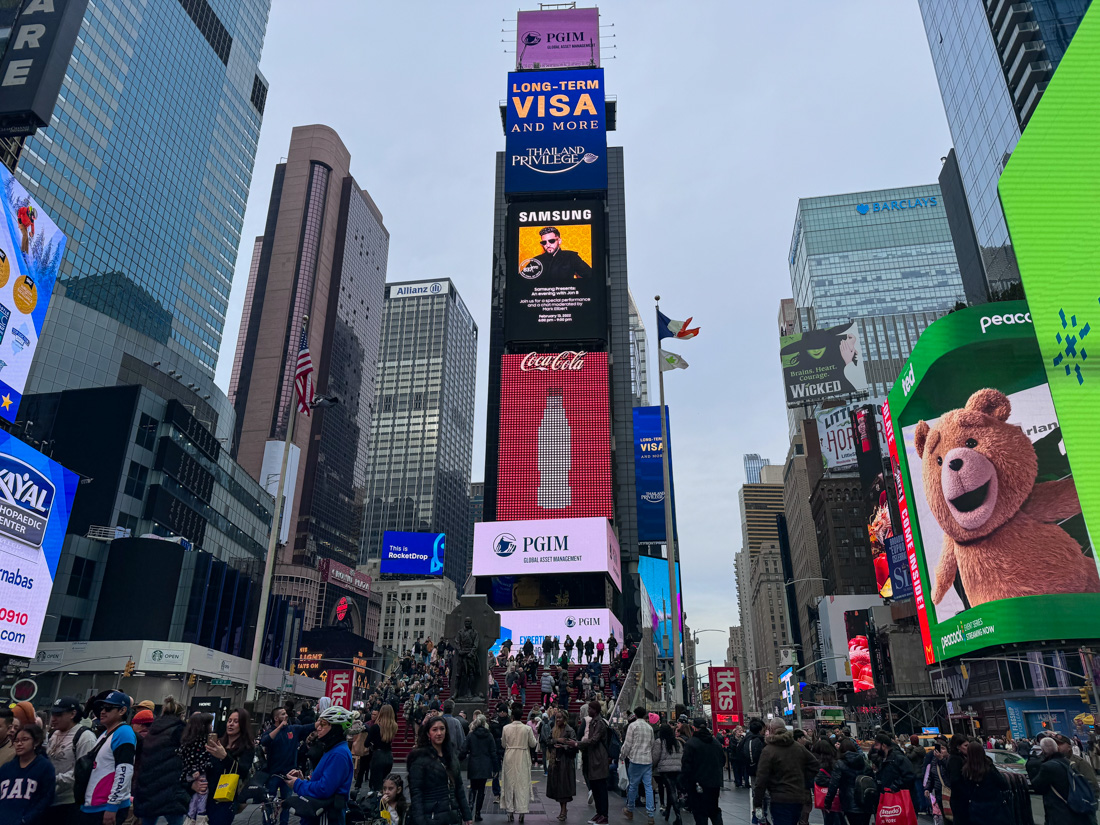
{"type": "Point", "coordinates": [1001, 535]}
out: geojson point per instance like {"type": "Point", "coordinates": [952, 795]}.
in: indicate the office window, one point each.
{"type": "Point", "coordinates": [147, 432]}
{"type": "Point", "coordinates": [68, 629]}
{"type": "Point", "coordinates": [80, 581]}
{"type": "Point", "coordinates": [135, 480]}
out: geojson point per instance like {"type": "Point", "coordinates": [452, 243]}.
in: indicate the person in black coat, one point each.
{"type": "Point", "coordinates": [435, 783]}
{"type": "Point", "coordinates": [1049, 772]}
{"type": "Point", "coordinates": [482, 757]}
{"type": "Point", "coordinates": [842, 782]}
{"type": "Point", "coordinates": [895, 771]}
{"type": "Point", "coordinates": [701, 768]}
{"type": "Point", "coordinates": [978, 795]}
{"type": "Point", "coordinates": [158, 789]}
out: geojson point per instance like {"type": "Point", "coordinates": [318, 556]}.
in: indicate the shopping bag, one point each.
{"type": "Point", "coordinates": [227, 786]}
{"type": "Point", "coordinates": [895, 808]}
{"type": "Point", "coordinates": [820, 793]}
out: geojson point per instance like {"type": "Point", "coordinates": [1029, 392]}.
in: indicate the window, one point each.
{"type": "Point", "coordinates": [135, 480]}
{"type": "Point", "coordinates": [147, 432]}
{"type": "Point", "coordinates": [80, 580]}
{"type": "Point", "coordinates": [68, 629]}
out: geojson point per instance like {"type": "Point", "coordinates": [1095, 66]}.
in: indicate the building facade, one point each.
{"type": "Point", "coordinates": [735, 647]}
{"type": "Point", "coordinates": [840, 520]}
{"type": "Point", "coordinates": [741, 570]}
{"type": "Point", "coordinates": [323, 255]}
{"type": "Point", "coordinates": [639, 356]}
{"type": "Point", "coordinates": [154, 215]}
{"type": "Point", "coordinates": [753, 465]}
{"type": "Point", "coordinates": [800, 473]}
{"type": "Point", "coordinates": [414, 610]}
{"type": "Point", "coordinates": [760, 504]}
{"type": "Point", "coordinates": [423, 429]}
{"type": "Point", "coordinates": [993, 61]}
{"type": "Point", "coordinates": [771, 635]}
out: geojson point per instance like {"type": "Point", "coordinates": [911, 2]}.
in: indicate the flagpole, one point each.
{"type": "Point", "coordinates": [670, 539]}
{"type": "Point", "coordinates": [272, 544]}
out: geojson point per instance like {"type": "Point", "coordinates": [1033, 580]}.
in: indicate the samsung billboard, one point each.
{"type": "Point", "coordinates": [576, 545]}
{"type": "Point", "coordinates": [413, 554]}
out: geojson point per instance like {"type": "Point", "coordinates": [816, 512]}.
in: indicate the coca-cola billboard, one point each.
{"type": "Point", "coordinates": [556, 285]}
{"type": "Point", "coordinates": [554, 457]}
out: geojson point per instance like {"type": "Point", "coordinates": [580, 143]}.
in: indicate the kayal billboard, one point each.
{"type": "Point", "coordinates": [576, 545]}
{"type": "Point", "coordinates": [36, 497]}
{"type": "Point", "coordinates": [555, 132]}
{"type": "Point", "coordinates": [31, 248]}
{"type": "Point", "coordinates": [558, 38]}
{"type": "Point", "coordinates": [998, 547]}
{"type": "Point", "coordinates": [554, 457]}
{"type": "Point", "coordinates": [649, 478]}
{"type": "Point", "coordinates": [822, 363]}
{"type": "Point", "coordinates": [413, 554]}
{"type": "Point", "coordinates": [555, 285]}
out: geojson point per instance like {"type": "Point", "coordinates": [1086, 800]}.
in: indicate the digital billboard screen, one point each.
{"type": "Point", "coordinates": [649, 477]}
{"type": "Point", "coordinates": [653, 573]}
{"type": "Point", "coordinates": [554, 456]}
{"type": "Point", "coordinates": [558, 38]}
{"type": "Point", "coordinates": [556, 286]}
{"type": "Point", "coordinates": [857, 627]}
{"type": "Point", "coordinates": [519, 548]}
{"type": "Point", "coordinates": [31, 249]}
{"type": "Point", "coordinates": [725, 698]}
{"type": "Point", "coordinates": [36, 498]}
{"type": "Point", "coordinates": [985, 480]}
{"type": "Point", "coordinates": [413, 554]}
{"type": "Point", "coordinates": [521, 625]}
{"type": "Point", "coordinates": [555, 127]}
{"type": "Point", "coordinates": [822, 363]}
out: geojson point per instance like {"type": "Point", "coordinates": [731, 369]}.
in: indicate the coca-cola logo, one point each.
{"type": "Point", "coordinates": [554, 362]}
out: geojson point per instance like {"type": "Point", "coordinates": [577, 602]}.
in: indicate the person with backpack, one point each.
{"type": "Point", "coordinates": [750, 749]}
{"type": "Point", "coordinates": [1067, 797]}
{"type": "Point", "coordinates": [851, 781]}
{"type": "Point", "coordinates": [158, 790]}
{"type": "Point", "coordinates": [1080, 763]}
{"type": "Point", "coordinates": [69, 741]}
{"type": "Point", "coordinates": [978, 795]}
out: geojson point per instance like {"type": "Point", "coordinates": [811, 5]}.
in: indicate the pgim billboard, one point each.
{"type": "Point", "coordinates": [558, 38]}
{"type": "Point", "coordinates": [554, 457]}
{"type": "Point", "coordinates": [555, 287]}
{"type": "Point", "coordinates": [999, 551]}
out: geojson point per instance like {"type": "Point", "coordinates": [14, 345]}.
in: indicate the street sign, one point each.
{"type": "Point", "coordinates": [221, 681]}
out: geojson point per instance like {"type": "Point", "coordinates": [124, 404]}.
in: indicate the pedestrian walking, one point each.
{"type": "Point", "coordinates": [561, 764]}
{"type": "Point", "coordinates": [826, 755]}
{"type": "Point", "coordinates": [482, 760]}
{"type": "Point", "coordinates": [517, 741]}
{"type": "Point", "coordinates": [1053, 777]}
{"type": "Point", "coordinates": [378, 747]}
{"type": "Point", "coordinates": [594, 745]}
{"type": "Point", "coordinates": [843, 783]}
{"type": "Point", "coordinates": [69, 742]}
{"type": "Point", "coordinates": [701, 773]}
{"type": "Point", "coordinates": [158, 791]}
{"type": "Point", "coordinates": [668, 753]}
{"type": "Point", "coordinates": [637, 750]}
{"type": "Point", "coordinates": [230, 756]}
{"type": "Point", "coordinates": [785, 772]}
{"type": "Point", "coordinates": [546, 687]}
{"type": "Point", "coordinates": [27, 781]}
{"type": "Point", "coordinates": [979, 795]}
{"type": "Point", "coordinates": [108, 789]}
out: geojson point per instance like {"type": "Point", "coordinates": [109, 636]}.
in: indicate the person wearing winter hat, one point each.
{"type": "Point", "coordinates": [147, 704]}
{"type": "Point", "coordinates": [24, 714]}
{"type": "Point", "coordinates": [141, 722]}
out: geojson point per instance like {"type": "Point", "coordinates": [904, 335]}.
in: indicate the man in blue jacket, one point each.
{"type": "Point", "coordinates": [281, 745]}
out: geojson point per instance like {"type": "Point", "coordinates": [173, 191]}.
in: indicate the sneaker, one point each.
{"type": "Point", "coordinates": [600, 820]}
{"type": "Point", "coordinates": [650, 822]}
{"type": "Point", "coordinates": [628, 813]}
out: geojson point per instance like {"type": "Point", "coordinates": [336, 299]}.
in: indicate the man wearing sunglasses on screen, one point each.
{"type": "Point", "coordinates": [559, 265]}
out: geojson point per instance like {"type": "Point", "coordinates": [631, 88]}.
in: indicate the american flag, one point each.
{"type": "Point", "coordinates": [303, 375]}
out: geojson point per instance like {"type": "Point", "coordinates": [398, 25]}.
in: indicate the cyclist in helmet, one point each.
{"type": "Point", "coordinates": [331, 779]}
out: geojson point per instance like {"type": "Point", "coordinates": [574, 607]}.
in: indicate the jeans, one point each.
{"type": "Point", "coordinates": [704, 806]}
{"type": "Point", "coordinates": [547, 656]}
{"type": "Point", "coordinates": [785, 813]}
{"type": "Point", "coordinates": [640, 774]}
{"type": "Point", "coordinates": [599, 795]}
{"type": "Point", "coordinates": [273, 786]}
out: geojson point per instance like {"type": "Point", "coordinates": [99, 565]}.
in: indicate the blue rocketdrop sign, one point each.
{"type": "Point", "coordinates": [649, 479]}
{"type": "Point", "coordinates": [36, 497]}
{"type": "Point", "coordinates": [413, 554]}
{"type": "Point", "coordinates": [556, 138]}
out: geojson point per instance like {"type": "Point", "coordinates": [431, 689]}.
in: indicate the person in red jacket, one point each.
{"type": "Point", "coordinates": [26, 217]}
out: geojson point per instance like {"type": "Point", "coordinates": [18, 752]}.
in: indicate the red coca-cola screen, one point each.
{"type": "Point", "coordinates": [555, 437]}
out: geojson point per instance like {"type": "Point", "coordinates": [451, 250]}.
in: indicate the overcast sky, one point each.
{"type": "Point", "coordinates": [727, 112]}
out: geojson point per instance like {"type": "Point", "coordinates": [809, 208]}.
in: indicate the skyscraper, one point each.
{"type": "Point", "coordinates": [993, 60]}
{"type": "Point", "coordinates": [323, 254]}
{"type": "Point", "coordinates": [753, 465]}
{"type": "Point", "coordinates": [146, 167]}
{"type": "Point", "coordinates": [423, 428]}
{"type": "Point", "coordinates": [639, 356]}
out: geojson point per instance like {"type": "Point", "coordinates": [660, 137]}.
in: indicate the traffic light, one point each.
{"type": "Point", "coordinates": [660, 679]}
{"type": "Point", "coordinates": [192, 680]}
{"type": "Point", "coordinates": [1084, 691]}
{"type": "Point", "coordinates": [771, 678]}
{"type": "Point", "coordinates": [129, 669]}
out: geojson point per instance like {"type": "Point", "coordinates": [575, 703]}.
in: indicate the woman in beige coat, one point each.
{"type": "Point", "coordinates": [517, 740]}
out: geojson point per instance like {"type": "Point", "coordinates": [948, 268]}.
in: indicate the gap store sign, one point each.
{"type": "Point", "coordinates": [895, 206]}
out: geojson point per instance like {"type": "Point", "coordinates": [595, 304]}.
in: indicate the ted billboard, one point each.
{"type": "Point", "coordinates": [555, 132]}
{"type": "Point", "coordinates": [555, 437]}
{"type": "Point", "coordinates": [998, 547]}
{"type": "Point", "coordinates": [556, 287]}
{"type": "Point", "coordinates": [577, 545]}
{"type": "Point", "coordinates": [558, 38]}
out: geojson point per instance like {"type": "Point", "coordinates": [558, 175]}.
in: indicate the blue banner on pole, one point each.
{"type": "Point", "coordinates": [649, 480]}
{"type": "Point", "coordinates": [898, 558]}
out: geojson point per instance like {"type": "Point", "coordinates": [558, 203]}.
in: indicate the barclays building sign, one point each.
{"type": "Point", "coordinates": [893, 206]}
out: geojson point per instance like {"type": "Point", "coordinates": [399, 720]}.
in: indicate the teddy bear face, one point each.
{"type": "Point", "coordinates": [978, 470]}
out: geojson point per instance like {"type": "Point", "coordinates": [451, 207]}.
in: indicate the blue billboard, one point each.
{"type": "Point", "coordinates": [649, 479]}
{"type": "Point", "coordinates": [653, 572]}
{"type": "Point", "coordinates": [36, 498]}
{"type": "Point", "coordinates": [413, 554]}
{"type": "Point", "coordinates": [556, 131]}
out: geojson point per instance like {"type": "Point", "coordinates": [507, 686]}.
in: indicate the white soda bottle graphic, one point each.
{"type": "Point", "coordinates": [555, 454]}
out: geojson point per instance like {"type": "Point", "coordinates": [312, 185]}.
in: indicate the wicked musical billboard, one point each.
{"type": "Point", "coordinates": [822, 363]}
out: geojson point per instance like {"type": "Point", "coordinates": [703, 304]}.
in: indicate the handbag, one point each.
{"type": "Point", "coordinates": [895, 808]}
{"type": "Point", "coordinates": [227, 785]}
{"type": "Point", "coordinates": [82, 770]}
{"type": "Point", "coordinates": [820, 792]}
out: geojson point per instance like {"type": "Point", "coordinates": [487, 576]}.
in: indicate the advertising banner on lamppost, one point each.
{"type": "Point", "coordinates": [726, 711]}
{"type": "Point", "coordinates": [991, 512]}
{"type": "Point", "coordinates": [649, 480]}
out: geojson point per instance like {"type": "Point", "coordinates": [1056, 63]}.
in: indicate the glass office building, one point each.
{"type": "Point", "coordinates": [993, 60]}
{"type": "Point", "coordinates": [422, 432]}
{"type": "Point", "coordinates": [148, 161]}
{"type": "Point", "coordinates": [882, 252]}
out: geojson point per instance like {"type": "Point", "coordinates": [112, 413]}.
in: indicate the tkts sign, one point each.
{"type": "Point", "coordinates": [725, 698]}
{"type": "Point", "coordinates": [568, 361]}
{"type": "Point", "coordinates": [338, 687]}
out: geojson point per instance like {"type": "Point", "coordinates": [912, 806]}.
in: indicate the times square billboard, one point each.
{"type": "Point", "coordinates": [991, 506]}
{"type": "Point", "coordinates": [554, 455]}
{"type": "Point", "coordinates": [555, 127]}
{"type": "Point", "coordinates": [523, 625]}
{"type": "Point", "coordinates": [558, 38]}
{"type": "Point", "coordinates": [556, 280]}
